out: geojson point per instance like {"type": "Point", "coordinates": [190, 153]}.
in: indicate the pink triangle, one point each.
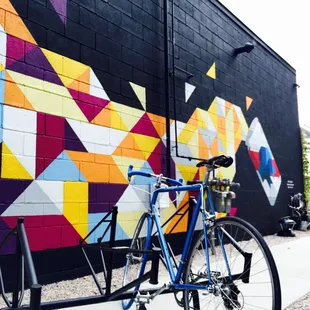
{"type": "Point", "coordinates": [60, 7]}
{"type": "Point", "coordinates": [145, 127]}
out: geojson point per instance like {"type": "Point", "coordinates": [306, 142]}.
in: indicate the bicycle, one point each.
{"type": "Point", "coordinates": [208, 275]}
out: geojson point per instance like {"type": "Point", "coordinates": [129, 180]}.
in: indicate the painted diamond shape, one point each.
{"type": "Point", "coordinates": [263, 161]}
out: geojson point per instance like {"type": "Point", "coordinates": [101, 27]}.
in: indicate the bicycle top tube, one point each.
{"type": "Point", "coordinates": [159, 177]}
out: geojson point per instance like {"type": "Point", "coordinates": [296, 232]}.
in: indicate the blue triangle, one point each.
{"type": "Point", "coordinates": [62, 169]}
{"type": "Point", "coordinates": [139, 180]}
{"type": "Point", "coordinates": [93, 219]}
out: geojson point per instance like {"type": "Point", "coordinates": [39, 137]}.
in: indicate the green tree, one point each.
{"type": "Point", "coordinates": [306, 165]}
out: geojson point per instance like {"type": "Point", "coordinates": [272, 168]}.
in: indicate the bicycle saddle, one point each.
{"type": "Point", "coordinates": [220, 161]}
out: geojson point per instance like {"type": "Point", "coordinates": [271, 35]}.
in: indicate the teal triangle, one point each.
{"type": "Point", "coordinates": [62, 169]}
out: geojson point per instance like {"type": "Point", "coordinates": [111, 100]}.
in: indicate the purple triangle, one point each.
{"type": "Point", "coordinates": [72, 141]}
{"type": "Point", "coordinates": [10, 190]}
{"type": "Point", "coordinates": [98, 201]}
{"type": "Point", "coordinates": [9, 246]}
{"type": "Point", "coordinates": [60, 7]}
{"type": "Point", "coordinates": [37, 58]}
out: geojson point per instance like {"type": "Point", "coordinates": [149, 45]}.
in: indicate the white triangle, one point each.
{"type": "Point", "coordinates": [2, 46]}
{"type": "Point", "coordinates": [34, 201]}
{"type": "Point", "coordinates": [220, 107]}
{"type": "Point", "coordinates": [189, 89]}
{"type": "Point", "coordinates": [208, 136]}
{"type": "Point", "coordinates": [96, 88]}
{"type": "Point", "coordinates": [132, 201]}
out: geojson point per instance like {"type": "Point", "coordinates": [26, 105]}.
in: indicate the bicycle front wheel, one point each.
{"type": "Point", "coordinates": [242, 273]}
{"type": "Point", "coordinates": [136, 262]}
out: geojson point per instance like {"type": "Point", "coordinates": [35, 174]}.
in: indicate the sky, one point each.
{"type": "Point", "coordinates": [284, 25]}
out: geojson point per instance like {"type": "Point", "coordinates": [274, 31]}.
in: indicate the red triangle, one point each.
{"type": "Point", "coordinates": [47, 232]}
{"type": "Point", "coordinates": [145, 127]}
{"type": "Point", "coordinates": [50, 140]}
{"type": "Point", "coordinates": [90, 105]}
{"type": "Point", "coordinates": [156, 158]}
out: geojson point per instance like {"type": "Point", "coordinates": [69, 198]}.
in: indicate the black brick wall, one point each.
{"type": "Point", "coordinates": [123, 40]}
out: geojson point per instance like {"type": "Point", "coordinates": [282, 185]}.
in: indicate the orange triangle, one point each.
{"type": "Point", "coordinates": [249, 101]}
{"type": "Point", "coordinates": [228, 107]}
{"type": "Point", "coordinates": [129, 148]}
{"type": "Point", "coordinates": [14, 96]}
{"type": "Point", "coordinates": [159, 123]}
{"type": "Point", "coordinates": [214, 147]}
{"type": "Point", "coordinates": [84, 88]}
{"type": "Point", "coordinates": [116, 176]}
{"type": "Point", "coordinates": [85, 77]}
{"type": "Point", "coordinates": [103, 118]}
{"type": "Point", "coordinates": [203, 148]}
{"type": "Point", "coordinates": [74, 85]}
{"type": "Point", "coordinates": [14, 24]}
{"type": "Point", "coordinates": [182, 225]}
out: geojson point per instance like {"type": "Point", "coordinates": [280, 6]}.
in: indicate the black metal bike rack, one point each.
{"type": "Point", "coordinates": [25, 262]}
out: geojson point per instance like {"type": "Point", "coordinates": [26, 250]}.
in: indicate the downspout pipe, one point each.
{"type": "Point", "coordinates": [167, 90]}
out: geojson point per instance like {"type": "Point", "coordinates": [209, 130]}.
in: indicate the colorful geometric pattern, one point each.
{"type": "Point", "coordinates": [66, 147]}
{"type": "Point", "coordinates": [263, 161]}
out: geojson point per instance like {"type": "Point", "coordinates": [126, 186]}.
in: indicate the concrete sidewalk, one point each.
{"type": "Point", "coordinates": [292, 259]}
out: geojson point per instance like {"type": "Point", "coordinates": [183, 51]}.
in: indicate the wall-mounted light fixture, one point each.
{"type": "Point", "coordinates": [247, 48]}
{"type": "Point", "coordinates": [296, 85]}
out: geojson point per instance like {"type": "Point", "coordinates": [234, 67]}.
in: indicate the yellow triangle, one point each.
{"type": "Point", "coordinates": [248, 102]}
{"type": "Point", "coordinates": [123, 163]}
{"type": "Point", "coordinates": [81, 84]}
{"type": "Point", "coordinates": [186, 134]}
{"type": "Point", "coordinates": [116, 120]}
{"type": "Point", "coordinates": [11, 168]}
{"type": "Point", "coordinates": [55, 60]}
{"type": "Point", "coordinates": [140, 93]}
{"type": "Point", "coordinates": [74, 85]}
{"type": "Point", "coordinates": [76, 206]}
{"type": "Point", "coordinates": [187, 172]}
{"type": "Point", "coordinates": [129, 115]}
{"type": "Point", "coordinates": [145, 143]}
{"type": "Point", "coordinates": [129, 221]}
{"type": "Point", "coordinates": [1, 67]}
{"type": "Point", "coordinates": [193, 144]}
{"type": "Point", "coordinates": [73, 69]}
{"type": "Point", "coordinates": [212, 72]}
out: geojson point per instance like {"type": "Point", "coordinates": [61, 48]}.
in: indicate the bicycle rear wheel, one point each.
{"type": "Point", "coordinates": [136, 262]}
{"type": "Point", "coordinates": [242, 269]}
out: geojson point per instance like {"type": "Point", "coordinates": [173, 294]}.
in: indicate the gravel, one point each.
{"type": "Point", "coordinates": [85, 286]}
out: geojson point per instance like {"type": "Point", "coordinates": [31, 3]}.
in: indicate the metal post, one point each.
{"type": "Point", "coordinates": [167, 91]}
{"type": "Point", "coordinates": [155, 266]}
{"type": "Point", "coordinates": [35, 297]}
{"type": "Point", "coordinates": [18, 256]}
{"type": "Point", "coordinates": [111, 245]}
{"type": "Point", "coordinates": [31, 273]}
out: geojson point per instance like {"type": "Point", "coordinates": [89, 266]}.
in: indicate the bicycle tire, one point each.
{"type": "Point", "coordinates": [275, 281]}
{"type": "Point", "coordinates": [144, 219]}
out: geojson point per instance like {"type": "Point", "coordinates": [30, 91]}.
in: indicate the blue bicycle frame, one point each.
{"type": "Point", "coordinates": [178, 187]}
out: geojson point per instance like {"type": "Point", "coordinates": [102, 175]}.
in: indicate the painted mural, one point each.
{"type": "Point", "coordinates": [66, 147]}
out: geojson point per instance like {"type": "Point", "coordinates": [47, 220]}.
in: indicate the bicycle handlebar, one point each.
{"type": "Point", "coordinates": [168, 181]}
